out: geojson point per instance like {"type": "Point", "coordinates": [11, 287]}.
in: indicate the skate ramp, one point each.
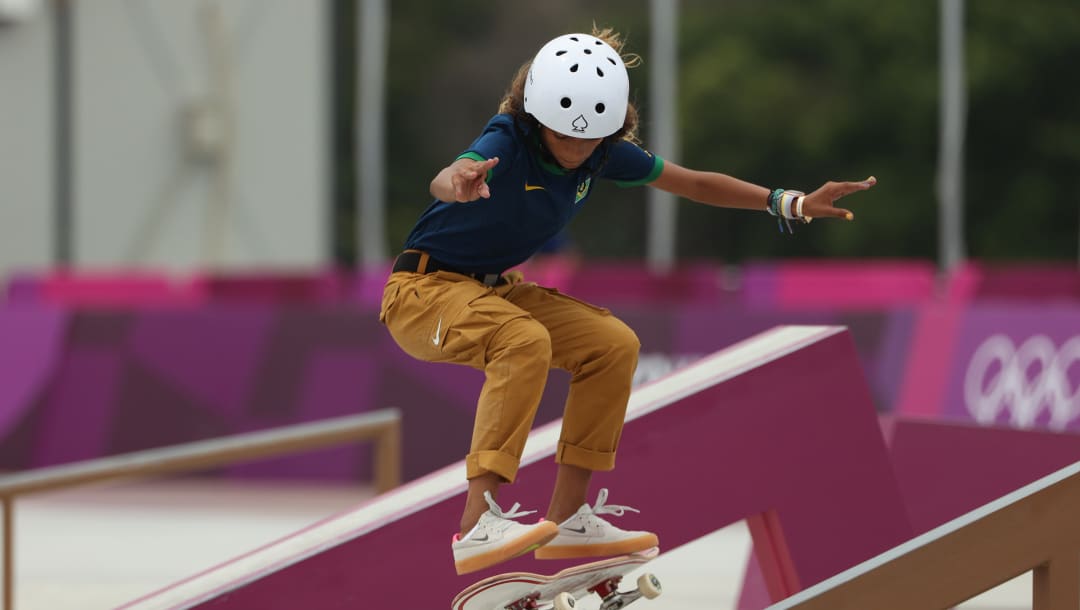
{"type": "Point", "coordinates": [778, 430]}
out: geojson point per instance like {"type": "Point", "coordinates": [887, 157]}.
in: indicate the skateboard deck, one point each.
{"type": "Point", "coordinates": [523, 590]}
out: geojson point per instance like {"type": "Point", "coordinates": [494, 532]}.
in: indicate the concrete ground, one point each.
{"type": "Point", "coordinates": [98, 547]}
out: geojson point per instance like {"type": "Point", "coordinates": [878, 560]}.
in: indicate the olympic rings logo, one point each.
{"type": "Point", "coordinates": [1024, 381]}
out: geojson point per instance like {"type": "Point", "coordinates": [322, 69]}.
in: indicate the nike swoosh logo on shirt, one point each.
{"type": "Point", "coordinates": [533, 187]}
{"type": "Point", "coordinates": [438, 331]}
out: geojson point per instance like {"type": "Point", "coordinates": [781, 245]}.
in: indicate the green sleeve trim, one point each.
{"type": "Point", "coordinates": [658, 166]}
{"type": "Point", "coordinates": [476, 157]}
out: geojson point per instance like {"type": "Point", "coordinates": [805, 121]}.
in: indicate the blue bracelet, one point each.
{"type": "Point", "coordinates": [772, 204]}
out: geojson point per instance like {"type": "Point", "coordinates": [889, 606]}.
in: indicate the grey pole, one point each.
{"type": "Point", "coordinates": [64, 134]}
{"type": "Point", "coordinates": [953, 116]}
{"type": "Point", "coordinates": [371, 212]}
{"type": "Point", "coordinates": [663, 135]}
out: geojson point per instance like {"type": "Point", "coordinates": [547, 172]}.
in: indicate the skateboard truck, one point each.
{"type": "Point", "coordinates": [525, 603]}
{"type": "Point", "coordinates": [608, 591]}
{"type": "Point", "coordinates": [613, 599]}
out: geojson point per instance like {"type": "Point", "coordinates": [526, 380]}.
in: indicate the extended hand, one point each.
{"type": "Point", "coordinates": [469, 179]}
{"type": "Point", "coordinates": [819, 204]}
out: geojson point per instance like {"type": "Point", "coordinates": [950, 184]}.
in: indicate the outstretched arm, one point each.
{"type": "Point", "coordinates": [725, 191]}
{"type": "Point", "coordinates": [463, 180]}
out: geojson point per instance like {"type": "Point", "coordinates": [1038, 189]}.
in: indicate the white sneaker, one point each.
{"type": "Point", "coordinates": [496, 538]}
{"type": "Point", "coordinates": [585, 534]}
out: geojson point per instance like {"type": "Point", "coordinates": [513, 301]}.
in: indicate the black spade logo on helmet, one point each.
{"type": "Point", "coordinates": [580, 124]}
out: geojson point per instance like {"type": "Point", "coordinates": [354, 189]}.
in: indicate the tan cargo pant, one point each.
{"type": "Point", "coordinates": [515, 333]}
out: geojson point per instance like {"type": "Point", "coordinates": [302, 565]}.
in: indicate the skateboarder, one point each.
{"type": "Point", "coordinates": [565, 124]}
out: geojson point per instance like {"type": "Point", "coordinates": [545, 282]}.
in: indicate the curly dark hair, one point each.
{"type": "Point", "coordinates": [513, 102]}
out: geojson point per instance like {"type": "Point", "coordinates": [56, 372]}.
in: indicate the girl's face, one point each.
{"type": "Point", "coordinates": [569, 152]}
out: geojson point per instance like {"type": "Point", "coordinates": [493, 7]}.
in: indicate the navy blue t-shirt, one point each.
{"type": "Point", "coordinates": [531, 199]}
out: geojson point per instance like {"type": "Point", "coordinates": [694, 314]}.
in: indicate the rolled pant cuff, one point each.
{"type": "Point", "coordinates": [584, 458]}
{"type": "Point", "coordinates": [483, 462]}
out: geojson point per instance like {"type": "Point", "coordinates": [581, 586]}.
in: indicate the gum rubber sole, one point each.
{"type": "Point", "coordinates": [533, 541]}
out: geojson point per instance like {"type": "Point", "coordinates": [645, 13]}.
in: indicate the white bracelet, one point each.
{"type": "Point", "coordinates": [789, 204]}
{"type": "Point", "coordinates": [798, 210]}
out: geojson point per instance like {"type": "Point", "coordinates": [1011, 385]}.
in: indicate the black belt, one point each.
{"type": "Point", "coordinates": [415, 261]}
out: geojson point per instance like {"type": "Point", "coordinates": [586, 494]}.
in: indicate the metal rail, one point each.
{"type": "Point", "coordinates": [382, 427]}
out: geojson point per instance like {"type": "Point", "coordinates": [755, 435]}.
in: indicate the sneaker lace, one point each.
{"type": "Point", "coordinates": [602, 508]}
{"type": "Point", "coordinates": [513, 513]}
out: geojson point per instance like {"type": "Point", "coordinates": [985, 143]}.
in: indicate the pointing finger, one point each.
{"type": "Point", "coordinates": [844, 189]}
{"type": "Point", "coordinates": [862, 186]}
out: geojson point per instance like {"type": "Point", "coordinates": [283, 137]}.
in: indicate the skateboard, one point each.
{"type": "Point", "coordinates": [525, 591]}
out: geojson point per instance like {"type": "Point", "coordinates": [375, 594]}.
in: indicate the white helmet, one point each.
{"type": "Point", "coordinates": [578, 86]}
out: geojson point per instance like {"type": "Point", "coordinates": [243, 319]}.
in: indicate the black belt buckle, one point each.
{"type": "Point", "coordinates": [407, 261]}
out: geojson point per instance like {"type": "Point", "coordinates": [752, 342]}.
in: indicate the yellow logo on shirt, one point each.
{"type": "Point", "coordinates": [583, 190]}
{"type": "Point", "coordinates": [533, 187]}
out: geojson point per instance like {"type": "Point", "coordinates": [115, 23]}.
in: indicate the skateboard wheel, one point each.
{"type": "Point", "coordinates": [649, 586]}
{"type": "Point", "coordinates": [564, 601]}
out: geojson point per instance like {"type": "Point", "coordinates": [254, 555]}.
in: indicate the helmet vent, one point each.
{"type": "Point", "coordinates": [588, 51]}
{"type": "Point", "coordinates": [565, 102]}
{"type": "Point", "coordinates": [573, 68]}
{"type": "Point", "coordinates": [612, 61]}
{"type": "Point", "coordinates": [600, 108]}
{"type": "Point", "coordinates": [560, 53]}
{"type": "Point", "coordinates": [599, 72]}
{"type": "Point", "coordinates": [574, 38]}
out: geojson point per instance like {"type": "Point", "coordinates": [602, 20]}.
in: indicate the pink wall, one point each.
{"type": "Point", "coordinates": [787, 284]}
